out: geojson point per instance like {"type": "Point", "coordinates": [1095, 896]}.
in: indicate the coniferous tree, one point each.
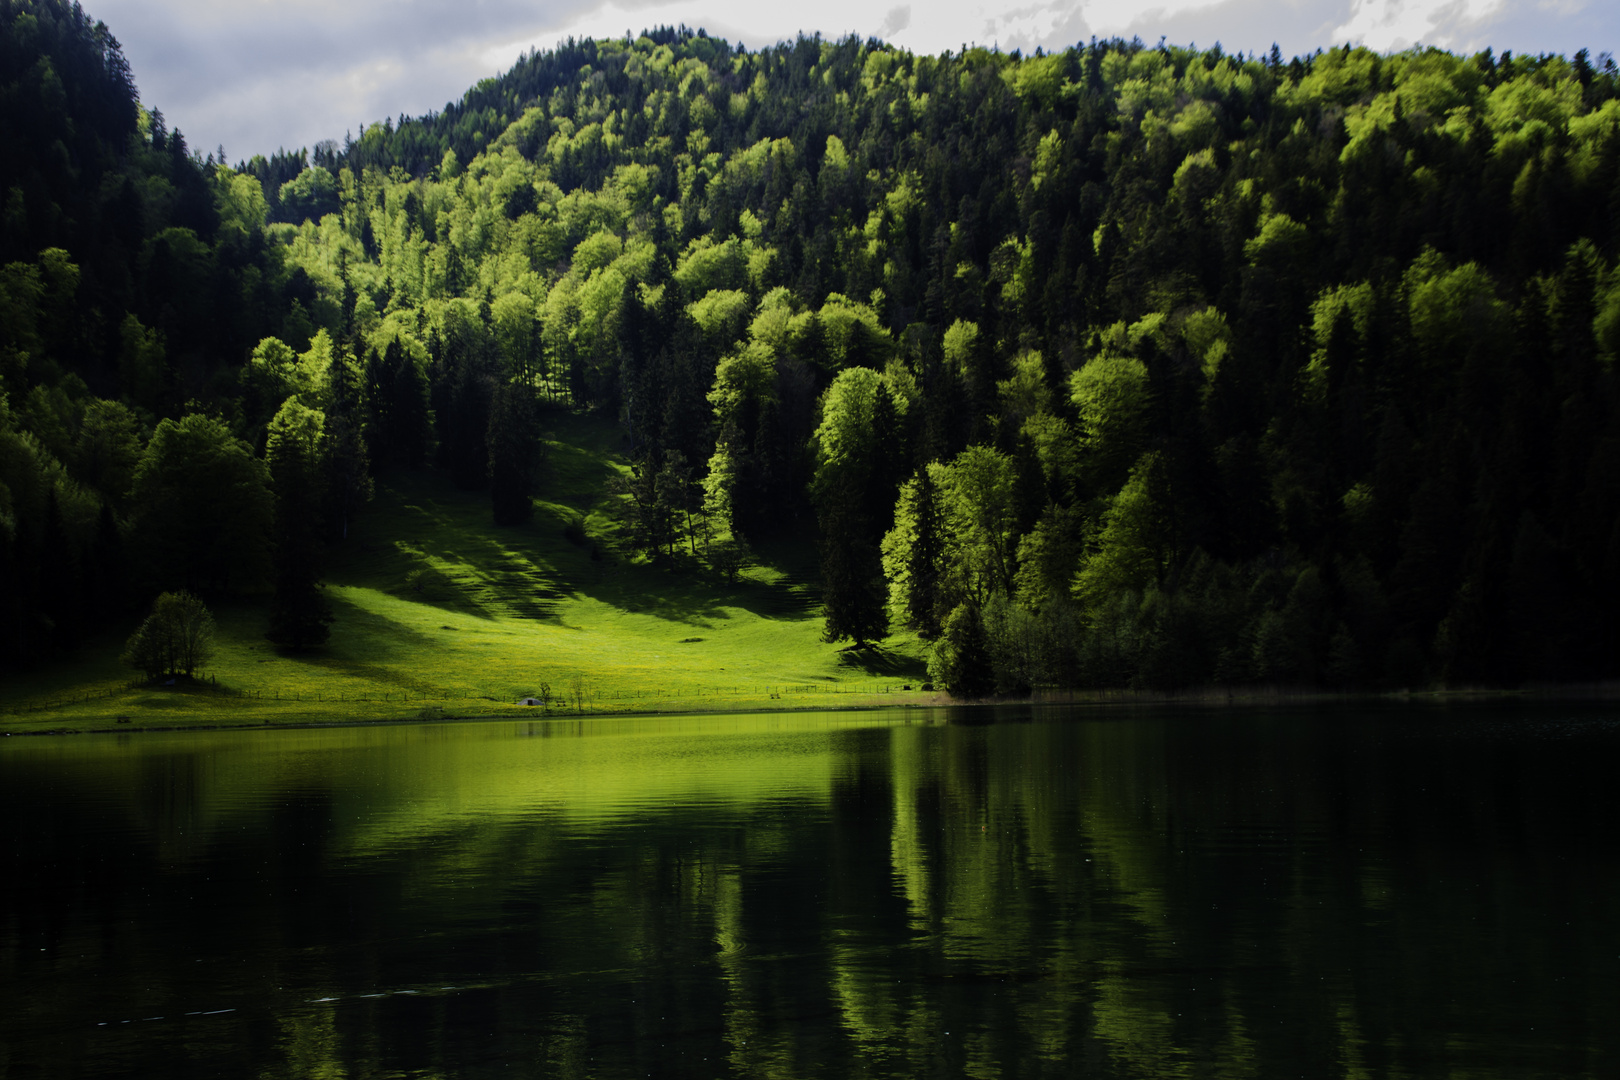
{"type": "Point", "coordinates": [413, 426]}
{"type": "Point", "coordinates": [472, 390]}
{"type": "Point", "coordinates": [960, 662]}
{"type": "Point", "coordinates": [514, 453]}
{"type": "Point", "coordinates": [854, 597]}
{"type": "Point", "coordinates": [61, 582]}
{"type": "Point", "coordinates": [925, 558]}
{"type": "Point", "coordinates": [678, 495]}
{"type": "Point", "coordinates": [107, 577]}
{"type": "Point", "coordinates": [398, 431]}
{"type": "Point", "coordinates": [300, 616]}
{"type": "Point", "coordinates": [347, 459]}
{"type": "Point", "coordinates": [378, 427]}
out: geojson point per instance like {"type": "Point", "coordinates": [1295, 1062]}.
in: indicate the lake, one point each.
{"type": "Point", "coordinates": [1356, 891]}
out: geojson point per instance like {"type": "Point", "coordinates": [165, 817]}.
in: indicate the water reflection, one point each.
{"type": "Point", "coordinates": [1386, 893]}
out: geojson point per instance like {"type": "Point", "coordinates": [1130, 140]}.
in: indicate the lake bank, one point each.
{"type": "Point", "coordinates": [100, 715]}
{"type": "Point", "coordinates": [198, 708]}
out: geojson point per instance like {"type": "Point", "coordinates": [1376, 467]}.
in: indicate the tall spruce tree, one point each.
{"type": "Point", "coordinates": [347, 459]}
{"type": "Point", "coordinates": [925, 560]}
{"type": "Point", "coordinates": [854, 596]}
{"type": "Point", "coordinates": [300, 616]}
{"type": "Point", "coordinates": [514, 453]}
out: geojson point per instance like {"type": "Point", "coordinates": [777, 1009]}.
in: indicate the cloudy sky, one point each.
{"type": "Point", "coordinates": [255, 75]}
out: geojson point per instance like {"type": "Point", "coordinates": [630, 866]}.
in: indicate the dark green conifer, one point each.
{"type": "Point", "coordinates": [514, 453]}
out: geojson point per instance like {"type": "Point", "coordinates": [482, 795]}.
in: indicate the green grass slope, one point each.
{"type": "Point", "coordinates": [441, 613]}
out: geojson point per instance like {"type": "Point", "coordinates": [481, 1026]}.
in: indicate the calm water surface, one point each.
{"type": "Point", "coordinates": [1398, 892]}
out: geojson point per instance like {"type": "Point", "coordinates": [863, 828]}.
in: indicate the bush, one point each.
{"type": "Point", "coordinates": [176, 639]}
{"type": "Point", "coordinates": [729, 557]}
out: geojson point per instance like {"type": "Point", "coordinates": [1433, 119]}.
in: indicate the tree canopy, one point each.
{"type": "Point", "coordinates": [1286, 370]}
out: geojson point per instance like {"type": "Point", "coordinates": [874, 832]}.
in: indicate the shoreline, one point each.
{"type": "Point", "coordinates": [1197, 697]}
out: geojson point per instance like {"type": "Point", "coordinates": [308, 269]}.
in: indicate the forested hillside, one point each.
{"type": "Point", "coordinates": [1120, 366]}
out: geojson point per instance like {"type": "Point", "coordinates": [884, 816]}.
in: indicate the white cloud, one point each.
{"type": "Point", "coordinates": [1111, 17]}
{"type": "Point", "coordinates": [1398, 24]}
{"type": "Point", "coordinates": [898, 19]}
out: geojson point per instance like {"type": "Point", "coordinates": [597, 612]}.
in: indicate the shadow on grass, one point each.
{"type": "Point", "coordinates": [782, 583]}
{"type": "Point", "coordinates": [427, 542]}
{"type": "Point", "coordinates": [432, 586]}
{"type": "Point", "coordinates": [431, 544]}
{"type": "Point", "coordinates": [878, 661]}
{"type": "Point", "coordinates": [382, 676]}
{"type": "Point", "coordinates": [575, 475]}
{"type": "Point", "coordinates": [360, 635]}
{"type": "Point", "coordinates": [184, 685]}
{"type": "Point", "coordinates": [675, 593]}
{"type": "Point", "coordinates": [181, 692]}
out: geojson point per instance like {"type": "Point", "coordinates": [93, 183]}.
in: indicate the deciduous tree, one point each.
{"type": "Point", "coordinates": [177, 638]}
{"type": "Point", "coordinates": [202, 507]}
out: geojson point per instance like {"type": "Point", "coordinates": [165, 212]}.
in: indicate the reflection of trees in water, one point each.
{"type": "Point", "coordinates": [1216, 896]}
{"type": "Point", "coordinates": [1219, 903]}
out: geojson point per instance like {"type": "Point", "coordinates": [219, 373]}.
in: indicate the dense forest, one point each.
{"type": "Point", "coordinates": [1120, 366]}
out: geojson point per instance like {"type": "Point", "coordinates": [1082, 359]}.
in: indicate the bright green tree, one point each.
{"type": "Point", "coordinates": [979, 490]}
{"type": "Point", "coordinates": [854, 493]}
{"type": "Point", "coordinates": [1134, 548]}
{"type": "Point", "coordinates": [1112, 395]}
{"type": "Point", "coordinates": [914, 555]}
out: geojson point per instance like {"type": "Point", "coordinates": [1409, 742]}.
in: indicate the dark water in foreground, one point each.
{"type": "Point", "coordinates": [1107, 893]}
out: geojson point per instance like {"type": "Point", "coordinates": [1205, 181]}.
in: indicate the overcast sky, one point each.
{"type": "Point", "coordinates": [255, 75]}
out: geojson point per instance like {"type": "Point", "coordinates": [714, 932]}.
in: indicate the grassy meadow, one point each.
{"type": "Point", "coordinates": [442, 614]}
